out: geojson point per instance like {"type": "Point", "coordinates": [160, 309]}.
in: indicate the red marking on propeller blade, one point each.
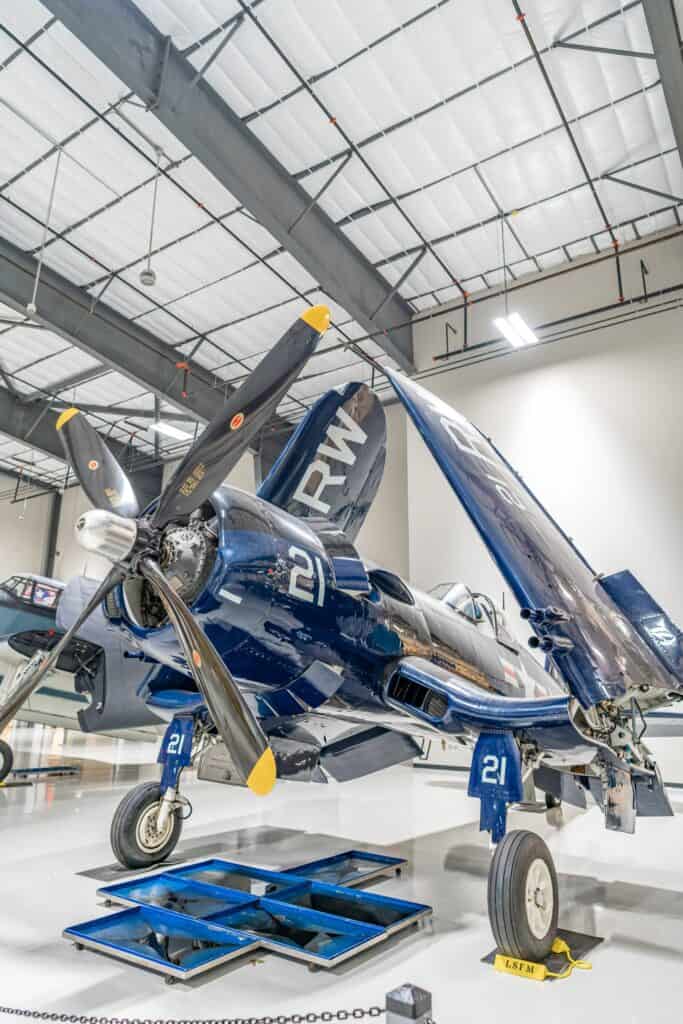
{"type": "Point", "coordinates": [196, 657]}
{"type": "Point", "coordinates": [237, 421]}
{"type": "Point", "coordinates": [93, 464]}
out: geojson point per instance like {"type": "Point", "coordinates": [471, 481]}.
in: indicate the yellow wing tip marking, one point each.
{"type": "Point", "coordinates": [65, 416]}
{"type": "Point", "coordinates": [263, 775]}
{"type": "Point", "coordinates": [317, 317]}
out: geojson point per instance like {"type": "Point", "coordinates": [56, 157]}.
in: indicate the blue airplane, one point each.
{"type": "Point", "coordinates": [259, 624]}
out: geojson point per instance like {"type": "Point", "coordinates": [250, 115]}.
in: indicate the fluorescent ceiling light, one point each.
{"type": "Point", "coordinates": [169, 430]}
{"type": "Point", "coordinates": [517, 332]}
{"type": "Point", "coordinates": [522, 329]}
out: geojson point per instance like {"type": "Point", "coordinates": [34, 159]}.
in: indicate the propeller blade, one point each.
{"type": "Point", "coordinates": [99, 473]}
{"type": "Point", "coordinates": [17, 690]}
{"type": "Point", "coordinates": [235, 723]}
{"type": "Point", "coordinates": [248, 409]}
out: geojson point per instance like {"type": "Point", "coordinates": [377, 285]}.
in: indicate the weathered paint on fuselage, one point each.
{"type": "Point", "coordinates": [271, 608]}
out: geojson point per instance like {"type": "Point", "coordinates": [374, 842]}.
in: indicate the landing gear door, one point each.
{"type": "Point", "coordinates": [496, 780]}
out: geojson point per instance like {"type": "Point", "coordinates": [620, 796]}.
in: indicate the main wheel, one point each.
{"type": "Point", "coordinates": [135, 838]}
{"type": "Point", "coordinates": [522, 896]}
{"type": "Point", "coordinates": [6, 760]}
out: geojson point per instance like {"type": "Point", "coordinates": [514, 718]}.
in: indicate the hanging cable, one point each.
{"type": "Point", "coordinates": [147, 275]}
{"type": "Point", "coordinates": [31, 308]}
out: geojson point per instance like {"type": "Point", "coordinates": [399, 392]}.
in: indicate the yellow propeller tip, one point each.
{"type": "Point", "coordinates": [263, 775]}
{"type": "Point", "coordinates": [65, 416]}
{"type": "Point", "coordinates": [317, 317]}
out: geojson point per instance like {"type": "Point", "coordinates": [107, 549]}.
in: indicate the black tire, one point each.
{"type": "Point", "coordinates": [6, 760]}
{"type": "Point", "coordinates": [521, 927]}
{"type": "Point", "coordinates": [132, 821]}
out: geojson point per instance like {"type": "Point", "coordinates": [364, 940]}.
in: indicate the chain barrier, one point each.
{"type": "Point", "coordinates": [294, 1018]}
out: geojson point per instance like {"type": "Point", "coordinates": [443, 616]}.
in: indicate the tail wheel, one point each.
{"type": "Point", "coordinates": [6, 760]}
{"type": "Point", "coordinates": [136, 840]}
{"type": "Point", "coordinates": [522, 896]}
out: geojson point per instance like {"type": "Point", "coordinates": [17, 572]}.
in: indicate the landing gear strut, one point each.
{"type": "Point", "coordinates": [6, 760]}
{"type": "Point", "coordinates": [522, 896]}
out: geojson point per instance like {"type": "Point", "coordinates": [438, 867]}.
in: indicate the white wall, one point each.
{"type": "Point", "coordinates": [70, 558]}
{"type": "Point", "coordinates": [23, 532]}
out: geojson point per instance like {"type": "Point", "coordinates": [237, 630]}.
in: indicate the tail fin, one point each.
{"type": "Point", "coordinates": [332, 465]}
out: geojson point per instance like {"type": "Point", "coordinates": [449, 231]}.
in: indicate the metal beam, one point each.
{"type": "Point", "coordinates": [122, 411]}
{"type": "Point", "coordinates": [34, 423]}
{"type": "Point", "coordinates": [120, 35]}
{"type": "Point", "coordinates": [666, 42]}
{"type": "Point", "coordinates": [644, 54]}
{"type": "Point", "coordinates": [105, 334]}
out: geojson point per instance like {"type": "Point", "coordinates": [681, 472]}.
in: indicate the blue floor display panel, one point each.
{"type": "Point", "coordinates": [187, 920]}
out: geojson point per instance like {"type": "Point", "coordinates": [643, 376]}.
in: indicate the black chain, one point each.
{"type": "Point", "coordinates": [295, 1018]}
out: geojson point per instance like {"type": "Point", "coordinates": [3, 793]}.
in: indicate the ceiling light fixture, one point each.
{"type": "Point", "coordinates": [169, 430]}
{"type": "Point", "coordinates": [516, 330]}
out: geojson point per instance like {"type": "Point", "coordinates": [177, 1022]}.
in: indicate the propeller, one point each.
{"type": "Point", "coordinates": [227, 436]}
{"type": "Point", "coordinates": [99, 474]}
{"type": "Point", "coordinates": [133, 543]}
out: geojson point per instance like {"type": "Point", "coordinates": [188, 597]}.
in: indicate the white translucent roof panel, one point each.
{"type": "Point", "coordinates": [257, 333]}
{"type": "Point", "coordinates": [188, 22]}
{"type": "Point", "coordinates": [239, 74]}
{"type": "Point", "coordinates": [534, 171]}
{"type": "Point", "coordinates": [120, 235]}
{"type": "Point", "coordinates": [585, 80]}
{"type": "Point", "coordinates": [77, 194]}
{"type": "Point", "coordinates": [194, 177]}
{"type": "Point", "coordinates": [25, 19]}
{"type": "Point", "coordinates": [208, 255]}
{"type": "Point", "coordinates": [224, 302]}
{"type": "Point", "coordinates": [21, 143]}
{"type": "Point", "coordinates": [23, 345]}
{"type": "Point", "coordinates": [41, 99]}
{"type": "Point", "coordinates": [383, 234]}
{"type": "Point", "coordinates": [112, 387]}
{"type": "Point", "coordinates": [43, 374]}
{"type": "Point", "coordinates": [74, 63]}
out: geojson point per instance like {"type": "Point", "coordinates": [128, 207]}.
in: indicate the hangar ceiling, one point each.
{"type": "Point", "coordinates": [421, 131]}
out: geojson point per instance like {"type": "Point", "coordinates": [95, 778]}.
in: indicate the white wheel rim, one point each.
{"type": "Point", "coordinates": [148, 836]}
{"type": "Point", "coordinates": [539, 898]}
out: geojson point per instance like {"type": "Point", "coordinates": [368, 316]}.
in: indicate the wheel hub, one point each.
{"type": "Point", "coordinates": [148, 835]}
{"type": "Point", "coordinates": [539, 898]}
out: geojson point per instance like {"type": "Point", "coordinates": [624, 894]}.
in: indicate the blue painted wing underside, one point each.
{"type": "Point", "coordinates": [537, 560]}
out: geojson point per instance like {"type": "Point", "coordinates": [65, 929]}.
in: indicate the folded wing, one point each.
{"type": "Point", "coordinates": [598, 652]}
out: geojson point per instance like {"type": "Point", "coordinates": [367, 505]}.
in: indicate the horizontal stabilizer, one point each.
{"type": "Point", "coordinates": [333, 463]}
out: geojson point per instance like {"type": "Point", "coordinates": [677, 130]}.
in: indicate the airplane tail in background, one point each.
{"type": "Point", "coordinates": [333, 463]}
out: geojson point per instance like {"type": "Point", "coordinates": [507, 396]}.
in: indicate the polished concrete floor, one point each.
{"type": "Point", "coordinates": [54, 852]}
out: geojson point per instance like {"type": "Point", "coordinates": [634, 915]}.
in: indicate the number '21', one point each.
{"type": "Point", "coordinates": [304, 570]}
{"type": "Point", "coordinates": [494, 769]}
